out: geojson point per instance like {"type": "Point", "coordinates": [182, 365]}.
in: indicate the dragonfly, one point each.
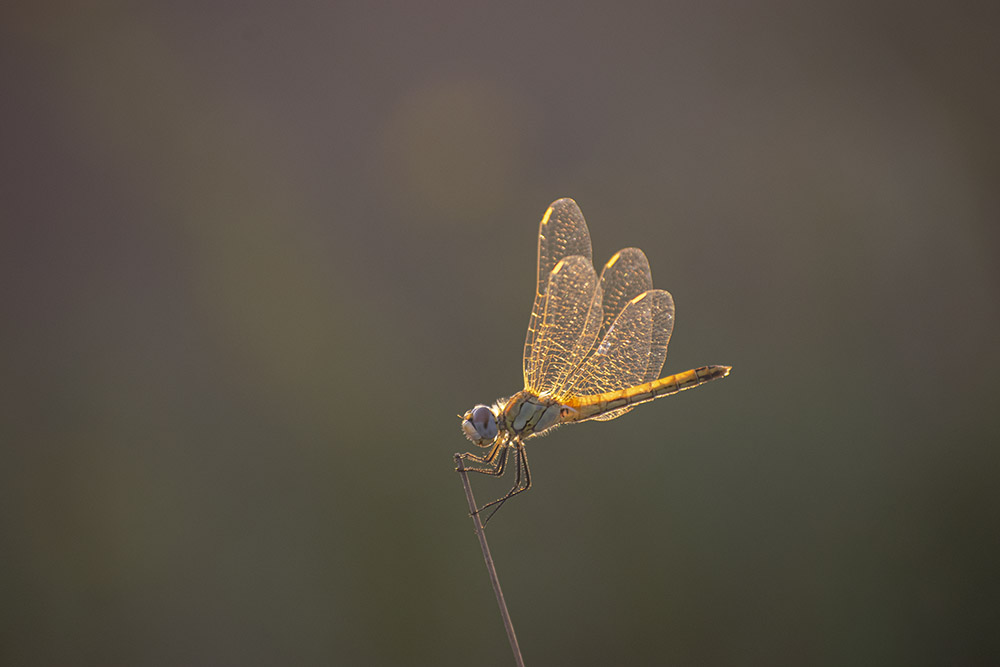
{"type": "Point", "coordinates": [594, 349]}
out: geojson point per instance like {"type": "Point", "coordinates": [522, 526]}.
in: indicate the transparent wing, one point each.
{"type": "Point", "coordinates": [624, 277]}
{"type": "Point", "coordinates": [631, 352]}
{"type": "Point", "coordinates": [567, 326]}
{"type": "Point", "coordinates": [562, 233]}
{"type": "Point", "coordinates": [663, 326]}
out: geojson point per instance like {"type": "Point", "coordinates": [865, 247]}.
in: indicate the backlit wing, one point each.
{"type": "Point", "coordinates": [631, 352]}
{"type": "Point", "coordinates": [562, 233]}
{"type": "Point", "coordinates": [624, 277]}
{"type": "Point", "coordinates": [567, 326]}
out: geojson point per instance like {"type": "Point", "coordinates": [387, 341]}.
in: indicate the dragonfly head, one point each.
{"type": "Point", "coordinates": [480, 425]}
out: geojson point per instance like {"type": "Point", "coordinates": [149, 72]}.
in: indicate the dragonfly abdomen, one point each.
{"type": "Point", "coordinates": [587, 407]}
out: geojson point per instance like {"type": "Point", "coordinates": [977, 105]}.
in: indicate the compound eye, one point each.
{"type": "Point", "coordinates": [480, 417]}
{"type": "Point", "coordinates": [484, 422]}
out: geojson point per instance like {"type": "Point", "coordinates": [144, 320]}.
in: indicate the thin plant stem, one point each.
{"type": "Point", "coordinates": [518, 660]}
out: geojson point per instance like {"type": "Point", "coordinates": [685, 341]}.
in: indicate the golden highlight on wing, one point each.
{"type": "Point", "coordinates": [570, 321]}
{"type": "Point", "coordinates": [632, 349]}
{"type": "Point", "coordinates": [562, 233]}
{"type": "Point", "coordinates": [572, 312]}
{"type": "Point", "coordinates": [624, 277]}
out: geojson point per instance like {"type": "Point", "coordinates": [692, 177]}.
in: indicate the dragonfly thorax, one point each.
{"type": "Point", "coordinates": [527, 414]}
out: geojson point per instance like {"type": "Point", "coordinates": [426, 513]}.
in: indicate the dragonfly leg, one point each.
{"type": "Point", "coordinates": [497, 469]}
{"type": "Point", "coordinates": [522, 462]}
{"type": "Point", "coordinates": [497, 444]}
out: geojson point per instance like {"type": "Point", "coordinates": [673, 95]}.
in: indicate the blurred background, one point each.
{"type": "Point", "coordinates": [256, 257]}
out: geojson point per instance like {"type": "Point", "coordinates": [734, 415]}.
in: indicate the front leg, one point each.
{"type": "Point", "coordinates": [469, 456]}
{"type": "Point", "coordinates": [497, 469]}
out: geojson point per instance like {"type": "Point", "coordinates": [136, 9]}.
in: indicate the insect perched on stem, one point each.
{"type": "Point", "coordinates": [594, 349]}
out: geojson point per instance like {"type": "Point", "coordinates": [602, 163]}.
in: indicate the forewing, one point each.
{"type": "Point", "coordinates": [633, 348]}
{"type": "Point", "coordinates": [562, 233]}
{"type": "Point", "coordinates": [568, 322]}
{"type": "Point", "coordinates": [624, 277]}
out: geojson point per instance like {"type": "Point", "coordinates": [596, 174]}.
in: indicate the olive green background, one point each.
{"type": "Point", "coordinates": [256, 256]}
